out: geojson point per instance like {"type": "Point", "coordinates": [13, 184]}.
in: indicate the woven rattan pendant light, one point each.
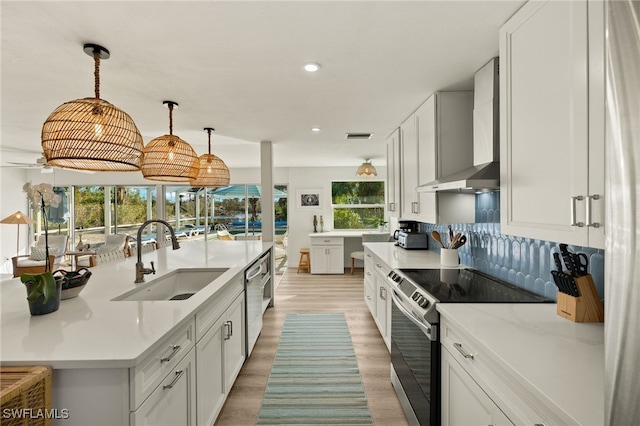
{"type": "Point", "coordinates": [169, 158]}
{"type": "Point", "coordinates": [367, 170]}
{"type": "Point", "coordinates": [213, 173]}
{"type": "Point", "coordinates": [92, 134]}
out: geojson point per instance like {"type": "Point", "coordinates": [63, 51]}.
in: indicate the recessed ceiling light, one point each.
{"type": "Point", "coordinates": [311, 67]}
{"type": "Point", "coordinates": [315, 129]}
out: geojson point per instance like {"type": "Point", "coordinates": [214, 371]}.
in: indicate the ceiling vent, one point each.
{"type": "Point", "coordinates": [358, 135]}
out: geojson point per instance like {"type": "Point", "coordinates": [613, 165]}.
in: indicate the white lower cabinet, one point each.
{"type": "Point", "coordinates": [370, 295]}
{"type": "Point", "coordinates": [173, 402]}
{"type": "Point", "coordinates": [463, 401]}
{"type": "Point", "coordinates": [220, 355]}
{"type": "Point", "coordinates": [327, 255]}
{"type": "Point", "coordinates": [377, 294]}
{"type": "Point", "coordinates": [383, 302]}
{"type": "Point", "coordinates": [479, 388]}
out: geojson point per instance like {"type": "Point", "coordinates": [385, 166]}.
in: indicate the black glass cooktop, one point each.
{"type": "Point", "coordinates": [469, 286]}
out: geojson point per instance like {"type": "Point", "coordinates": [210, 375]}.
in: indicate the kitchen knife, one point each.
{"type": "Point", "coordinates": [568, 259]}
{"type": "Point", "coordinates": [581, 262]}
{"type": "Point", "coordinates": [565, 283]}
{"type": "Point", "coordinates": [556, 259]}
{"type": "Point", "coordinates": [558, 280]}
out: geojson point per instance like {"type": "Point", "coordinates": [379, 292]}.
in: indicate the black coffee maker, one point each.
{"type": "Point", "coordinates": [409, 226]}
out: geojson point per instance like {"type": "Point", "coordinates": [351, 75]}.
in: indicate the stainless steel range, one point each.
{"type": "Point", "coordinates": [415, 340]}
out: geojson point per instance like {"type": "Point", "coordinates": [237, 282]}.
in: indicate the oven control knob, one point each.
{"type": "Point", "coordinates": [420, 300]}
{"type": "Point", "coordinates": [395, 277]}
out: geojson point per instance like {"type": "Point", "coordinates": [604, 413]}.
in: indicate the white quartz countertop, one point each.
{"type": "Point", "coordinates": [560, 361]}
{"type": "Point", "coordinates": [346, 234]}
{"type": "Point", "coordinates": [92, 331]}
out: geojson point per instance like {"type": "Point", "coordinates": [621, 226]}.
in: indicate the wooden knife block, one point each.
{"type": "Point", "coordinates": [584, 308]}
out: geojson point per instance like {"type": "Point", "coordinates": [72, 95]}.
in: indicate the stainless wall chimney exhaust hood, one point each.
{"type": "Point", "coordinates": [485, 173]}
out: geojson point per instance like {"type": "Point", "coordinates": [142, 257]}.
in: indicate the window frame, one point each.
{"type": "Point", "coordinates": [382, 206]}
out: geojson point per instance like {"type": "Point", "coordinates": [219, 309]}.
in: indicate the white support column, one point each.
{"type": "Point", "coordinates": [107, 209]}
{"type": "Point", "coordinates": [266, 182]}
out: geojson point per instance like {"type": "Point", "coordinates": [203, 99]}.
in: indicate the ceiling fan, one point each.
{"type": "Point", "coordinates": [39, 163]}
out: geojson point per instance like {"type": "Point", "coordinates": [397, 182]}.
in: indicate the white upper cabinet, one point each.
{"type": "Point", "coordinates": [393, 174]}
{"type": "Point", "coordinates": [552, 122]}
{"type": "Point", "coordinates": [436, 141]}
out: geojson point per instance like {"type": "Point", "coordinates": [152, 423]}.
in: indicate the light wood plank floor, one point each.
{"type": "Point", "coordinates": [317, 293]}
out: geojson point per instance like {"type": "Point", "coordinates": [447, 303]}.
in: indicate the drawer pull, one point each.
{"type": "Point", "coordinates": [229, 326]}
{"type": "Point", "coordinates": [174, 351]}
{"type": "Point", "coordinates": [464, 353]}
{"type": "Point", "coordinates": [179, 374]}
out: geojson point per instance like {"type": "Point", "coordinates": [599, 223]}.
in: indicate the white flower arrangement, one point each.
{"type": "Point", "coordinates": [42, 196]}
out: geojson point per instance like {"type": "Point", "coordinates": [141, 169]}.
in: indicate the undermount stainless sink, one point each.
{"type": "Point", "coordinates": [177, 285]}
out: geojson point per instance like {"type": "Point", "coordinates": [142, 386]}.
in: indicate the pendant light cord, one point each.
{"type": "Point", "coordinates": [96, 72]}
{"type": "Point", "coordinates": [170, 119]}
{"type": "Point", "coordinates": [209, 132]}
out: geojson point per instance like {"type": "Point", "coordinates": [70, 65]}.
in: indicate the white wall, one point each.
{"type": "Point", "coordinates": [12, 199]}
{"type": "Point", "coordinates": [300, 221]}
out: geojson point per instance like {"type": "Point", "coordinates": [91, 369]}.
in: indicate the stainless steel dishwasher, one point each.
{"type": "Point", "coordinates": [256, 277]}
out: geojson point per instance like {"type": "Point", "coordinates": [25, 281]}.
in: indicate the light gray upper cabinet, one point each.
{"type": "Point", "coordinates": [552, 122]}
{"type": "Point", "coordinates": [393, 174]}
{"type": "Point", "coordinates": [437, 140]}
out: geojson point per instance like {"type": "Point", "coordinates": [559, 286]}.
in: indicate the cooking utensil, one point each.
{"type": "Point", "coordinates": [461, 241]}
{"type": "Point", "coordinates": [454, 240]}
{"type": "Point", "coordinates": [436, 236]}
{"type": "Point", "coordinates": [450, 236]}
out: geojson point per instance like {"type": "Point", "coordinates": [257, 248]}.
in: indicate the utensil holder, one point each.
{"type": "Point", "coordinates": [449, 257]}
{"type": "Point", "coordinates": [585, 308]}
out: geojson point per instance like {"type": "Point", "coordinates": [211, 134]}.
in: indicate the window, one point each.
{"type": "Point", "coordinates": [358, 204]}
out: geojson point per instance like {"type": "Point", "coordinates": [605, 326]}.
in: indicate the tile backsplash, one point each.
{"type": "Point", "coordinates": [524, 262]}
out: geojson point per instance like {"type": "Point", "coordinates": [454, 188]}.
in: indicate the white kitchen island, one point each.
{"type": "Point", "coordinates": [112, 358]}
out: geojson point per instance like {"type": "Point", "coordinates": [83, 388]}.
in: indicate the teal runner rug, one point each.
{"type": "Point", "coordinates": [315, 378]}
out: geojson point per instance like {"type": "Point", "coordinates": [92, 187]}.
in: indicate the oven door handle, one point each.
{"type": "Point", "coordinates": [426, 328]}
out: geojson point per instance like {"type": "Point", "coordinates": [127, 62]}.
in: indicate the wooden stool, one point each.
{"type": "Point", "coordinates": [305, 260]}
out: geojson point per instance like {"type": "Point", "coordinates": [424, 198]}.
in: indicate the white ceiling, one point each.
{"type": "Point", "coordinates": [237, 66]}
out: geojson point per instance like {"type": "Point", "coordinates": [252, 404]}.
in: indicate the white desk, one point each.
{"type": "Point", "coordinates": [330, 251]}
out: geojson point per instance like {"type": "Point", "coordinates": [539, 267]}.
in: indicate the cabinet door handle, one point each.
{"type": "Point", "coordinates": [179, 374]}
{"type": "Point", "coordinates": [228, 325]}
{"type": "Point", "coordinates": [573, 211]}
{"type": "Point", "coordinates": [464, 353]}
{"type": "Point", "coordinates": [174, 351]}
{"type": "Point", "coordinates": [588, 211]}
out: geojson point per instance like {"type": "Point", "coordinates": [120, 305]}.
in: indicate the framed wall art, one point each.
{"type": "Point", "coordinates": [309, 198]}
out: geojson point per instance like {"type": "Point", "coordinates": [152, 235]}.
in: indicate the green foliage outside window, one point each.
{"type": "Point", "coordinates": [358, 204]}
